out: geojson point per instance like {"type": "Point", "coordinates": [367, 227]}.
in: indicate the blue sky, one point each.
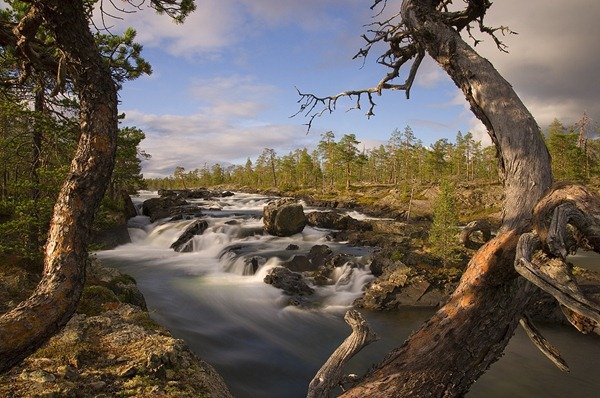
{"type": "Point", "coordinates": [223, 82]}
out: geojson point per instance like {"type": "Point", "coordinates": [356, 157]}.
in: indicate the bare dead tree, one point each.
{"type": "Point", "coordinates": [453, 348]}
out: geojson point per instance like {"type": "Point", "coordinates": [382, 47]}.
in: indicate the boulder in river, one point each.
{"type": "Point", "coordinates": [284, 217]}
{"type": "Point", "coordinates": [184, 242]}
{"type": "Point", "coordinates": [157, 208]}
{"type": "Point", "coordinates": [290, 282]}
{"type": "Point", "coordinates": [336, 220]}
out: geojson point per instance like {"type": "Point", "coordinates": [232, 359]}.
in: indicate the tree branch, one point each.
{"type": "Point", "coordinates": [330, 373]}
{"type": "Point", "coordinates": [543, 345]}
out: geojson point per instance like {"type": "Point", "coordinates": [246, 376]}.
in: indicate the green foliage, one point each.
{"type": "Point", "coordinates": [442, 236]}
{"type": "Point", "coordinates": [568, 159]}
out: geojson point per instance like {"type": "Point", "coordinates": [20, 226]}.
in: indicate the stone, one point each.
{"type": "Point", "coordinates": [299, 263]}
{"type": "Point", "coordinates": [290, 282]}
{"type": "Point", "coordinates": [283, 217]}
{"type": "Point", "coordinates": [183, 243]}
{"type": "Point", "coordinates": [38, 376]}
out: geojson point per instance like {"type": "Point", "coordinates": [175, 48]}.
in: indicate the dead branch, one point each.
{"type": "Point", "coordinates": [330, 374]}
{"type": "Point", "coordinates": [481, 226]}
{"type": "Point", "coordinates": [587, 221]}
{"type": "Point", "coordinates": [402, 49]}
{"type": "Point", "coordinates": [543, 345]}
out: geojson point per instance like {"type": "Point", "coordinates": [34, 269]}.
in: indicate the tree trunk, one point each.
{"type": "Point", "coordinates": [470, 332]}
{"type": "Point", "coordinates": [32, 322]}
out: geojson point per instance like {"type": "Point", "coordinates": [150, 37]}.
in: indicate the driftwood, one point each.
{"type": "Point", "coordinates": [564, 205]}
{"type": "Point", "coordinates": [330, 374]}
{"type": "Point", "coordinates": [481, 226]}
{"type": "Point", "coordinates": [543, 345]}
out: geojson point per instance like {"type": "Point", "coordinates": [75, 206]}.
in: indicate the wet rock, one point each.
{"type": "Point", "coordinates": [299, 263]}
{"type": "Point", "coordinates": [128, 206]}
{"type": "Point", "coordinates": [284, 217]}
{"type": "Point", "coordinates": [157, 208]}
{"type": "Point", "coordinates": [319, 254]}
{"type": "Point", "coordinates": [254, 263]}
{"type": "Point", "coordinates": [335, 220]}
{"type": "Point", "coordinates": [292, 246]}
{"type": "Point", "coordinates": [290, 282]}
{"type": "Point", "coordinates": [183, 243]}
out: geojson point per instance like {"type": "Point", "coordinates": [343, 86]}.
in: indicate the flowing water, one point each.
{"type": "Point", "coordinates": [264, 348]}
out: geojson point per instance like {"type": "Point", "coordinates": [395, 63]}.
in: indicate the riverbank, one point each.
{"type": "Point", "coordinates": [111, 347]}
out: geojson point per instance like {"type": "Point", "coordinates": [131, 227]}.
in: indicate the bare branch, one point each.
{"type": "Point", "coordinates": [543, 345]}
{"type": "Point", "coordinates": [481, 226]}
{"type": "Point", "coordinates": [330, 373]}
{"type": "Point", "coordinates": [554, 276]}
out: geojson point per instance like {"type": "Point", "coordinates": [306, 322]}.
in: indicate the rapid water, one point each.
{"type": "Point", "coordinates": [262, 347]}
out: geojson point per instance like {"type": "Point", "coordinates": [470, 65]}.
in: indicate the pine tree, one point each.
{"type": "Point", "coordinates": [442, 236]}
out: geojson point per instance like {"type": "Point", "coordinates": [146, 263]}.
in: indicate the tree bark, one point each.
{"type": "Point", "coordinates": [470, 332]}
{"type": "Point", "coordinates": [32, 322]}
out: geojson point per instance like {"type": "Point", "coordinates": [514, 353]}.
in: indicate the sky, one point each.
{"type": "Point", "coordinates": [224, 82]}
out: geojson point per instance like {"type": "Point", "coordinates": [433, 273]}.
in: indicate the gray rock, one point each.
{"type": "Point", "coordinates": [290, 282]}
{"type": "Point", "coordinates": [283, 217]}
{"type": "Point", "coordinates": [183, 243]}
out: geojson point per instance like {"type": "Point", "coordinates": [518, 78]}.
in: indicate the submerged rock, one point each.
{"type": "Point", "coordinates": [184, 242]}
{"type": "Point", "coordinates": [284, 217]}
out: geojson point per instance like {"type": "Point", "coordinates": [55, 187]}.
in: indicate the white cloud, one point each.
{"type": "Point", "coordinates": [553, 63]}
{"type": "Point", "coordinates": [192, 140]}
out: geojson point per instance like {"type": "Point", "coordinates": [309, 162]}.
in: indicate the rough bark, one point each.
{"type": "Point", "coordinates": [32, 322]}
{"type": "Point", "coordinates": [470, 332]}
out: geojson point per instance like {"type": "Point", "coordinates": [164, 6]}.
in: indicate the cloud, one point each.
{"type": "Point", "coordinates": [553, 63]}
{"type": "Point", "coordinates": [218, 24]}
{"type": "Point", "coordinates": [193, 140]}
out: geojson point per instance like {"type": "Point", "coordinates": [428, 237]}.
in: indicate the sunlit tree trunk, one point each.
{"type": "Point", "coordinates": [32, 322]}
{"type": "Point", "coordinates": [470, 332]}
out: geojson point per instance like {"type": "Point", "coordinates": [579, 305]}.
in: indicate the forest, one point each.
{"type": "Point", "coordinates": [403, 162]}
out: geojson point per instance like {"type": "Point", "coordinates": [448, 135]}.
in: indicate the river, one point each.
{"type": "Point", "coordinates": [264, 348]}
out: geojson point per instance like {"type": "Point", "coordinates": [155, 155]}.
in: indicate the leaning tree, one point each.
{"type": "Point", "coordinates": [68, 49]}
{"type": "Point", "coordinates": [453, 348]}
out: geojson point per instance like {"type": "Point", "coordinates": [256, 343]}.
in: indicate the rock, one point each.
{"type": "Point", "coordinates": [128, 206]}
{"type": "Point", "coordinates": [284, 217]}
{"type": "Point", "coordinates": [253, 264]}
{"type": "Point", "coordinates": [183, 243]}
{"type": "Point", "coordinates": [111, 237]}
{"type": "Point", "coordinates": [38, 376]}
{"type": "Point", "coordinates": [292, 246]}
{"type": "Point", "coordinates": [67, 372]}
{"type": "Point", "coordinates": [157, 208]}
{"type": "Point", "coordinates": [335, 220]}
{"type": "Point", "coordinates": [226, 194]}
{"type": "Point", "coordinates": [290, 282]}
{"type": "Point", "coordinates": [319, 254]}
{"type": "Point", "coordinates": [299, 263]}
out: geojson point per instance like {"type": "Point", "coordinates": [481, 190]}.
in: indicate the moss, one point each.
{"type": "Point", "coordinates": [143, 319]}
{"type": "Point", "coordinates": [93, 300]}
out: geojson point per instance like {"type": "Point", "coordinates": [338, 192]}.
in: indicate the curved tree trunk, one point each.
{"type": "Point", "coordinates": [470, 332]}
{"type": "Point", "coordinates": [32, 322]}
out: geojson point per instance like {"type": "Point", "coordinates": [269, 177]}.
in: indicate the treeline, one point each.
{"type": "Point", "coordinates": [403, 161]}
{"type": "Point", "coordinates": [339, 163]}
{"type": "Point", "coordinates": [39, 129]}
